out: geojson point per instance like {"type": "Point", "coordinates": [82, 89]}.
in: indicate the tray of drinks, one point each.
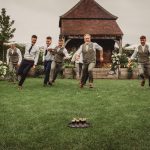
{"type": "Point", "coordinates": [79, 123]}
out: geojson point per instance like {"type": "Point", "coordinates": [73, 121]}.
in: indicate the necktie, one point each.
{"type": "Point", "coordinates": [87, 47]}
{"type": "Point", "coordinates": [46, 52]}
{"type": "Point", "coordinates": [30, 48]}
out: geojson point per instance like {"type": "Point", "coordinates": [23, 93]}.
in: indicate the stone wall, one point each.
{"type": "Point", "coordinates": [103, 73]}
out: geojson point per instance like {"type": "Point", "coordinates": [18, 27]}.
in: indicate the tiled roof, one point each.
{"type": "Point", "coordinates": [88, 9]}
{"type": "Point", "coordinates": [87, 16]}
{"type": "Point", "coordinates": [94, 27]}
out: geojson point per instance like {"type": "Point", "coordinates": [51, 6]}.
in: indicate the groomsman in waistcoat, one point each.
{"type": "Point", "coordinates": [30, 60]}
{"type": "Point", "coordinates": [13, 58]}
{"type": "Point", "coordinates": [142, 52]}
{"type": "Point", "coordinates": [88, 50]}
{"type": "Point", "coordinates": [48, 57]}
{"type": "Point", "coordinates": [60, 53]}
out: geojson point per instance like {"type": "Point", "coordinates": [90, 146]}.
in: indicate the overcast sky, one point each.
{"type": "Point", "coordinates": [41, 17]}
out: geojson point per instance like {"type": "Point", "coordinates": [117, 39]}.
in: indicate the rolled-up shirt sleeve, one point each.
{"type": "Point", "coordinates": [66, 53]}
{"type": "Point", "coordinates": [20, 56]}
{"type": "Point", "coordinates": [98, 47]}
{"type": "Point", "coordinates": [73, 57]}
{"type": "Point", "coordinates": [36, 57]}
{"type": "Point", "coordinates": [43, 54]}
{"type": "Point", "coordinates": [134, 54]}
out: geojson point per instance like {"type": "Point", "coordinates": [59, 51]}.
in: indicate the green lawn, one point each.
{"type": "Point", "coordinates": [36, 118]}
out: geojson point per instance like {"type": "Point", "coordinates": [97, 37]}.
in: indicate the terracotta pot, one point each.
{"type": "Point", "coordinates": [124, 74]}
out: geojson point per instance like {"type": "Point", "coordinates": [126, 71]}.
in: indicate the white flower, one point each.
{"type": "Point", "coordinates": [4, 73]}
{"type": "Point", "coordinates": [3, 69]}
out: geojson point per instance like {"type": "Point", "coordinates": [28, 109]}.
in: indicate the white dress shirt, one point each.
{"type": "Point", "coordinates": [12, 51]}
{"type": "Point", "coordinates": [49, 56]}
{"type": "Point", "coordinates": [34, 53]}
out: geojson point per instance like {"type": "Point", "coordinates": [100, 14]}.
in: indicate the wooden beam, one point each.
{"type": "Point", "coordinates": [93, 37]}
{"type": "Point", "coordinates": [120, 46]}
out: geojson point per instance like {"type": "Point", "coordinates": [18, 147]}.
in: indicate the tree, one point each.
{"type": "Point", "coordinates": [6, 30]}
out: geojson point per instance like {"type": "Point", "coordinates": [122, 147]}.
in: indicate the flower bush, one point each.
{"type": "Point", "coordinates": [3, 70]}
{"type": "Point", "coordinates": [39, 71]}
{"type": "Point", "coordinates": [115, 62]}
{"type": "Point", "coordinates": [130, 68]}
{"type": "Point", "coordinates": [119, 59]}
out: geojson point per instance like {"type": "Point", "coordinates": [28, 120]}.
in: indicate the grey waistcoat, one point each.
{"type": "Point", "coordinates": [89, 56]}
{"type": "Point", "coordinates": [14, 58]}
{"type": "Point", "coordinates": [59, 55]}
{"type": "Point", "coordinates": [143, 56]}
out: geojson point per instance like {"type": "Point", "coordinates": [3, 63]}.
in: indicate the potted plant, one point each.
{"type": "Point", "coordinates": [130, 68]}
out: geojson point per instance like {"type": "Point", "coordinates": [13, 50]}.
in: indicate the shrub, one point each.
{"type": "Point", "coordinates": [39, 70]}
{"type": "Point", "coordinates": [3, 70]}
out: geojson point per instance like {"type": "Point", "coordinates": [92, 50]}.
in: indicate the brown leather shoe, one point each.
{"type": "Point", "coordinates": [142, 82]}
{"type": "Point", "coordinates": [50, 83]}
{"type": "Point", "coordinates": [90, 85]}
{"type": "Point", "coordinates": [81, 85]}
